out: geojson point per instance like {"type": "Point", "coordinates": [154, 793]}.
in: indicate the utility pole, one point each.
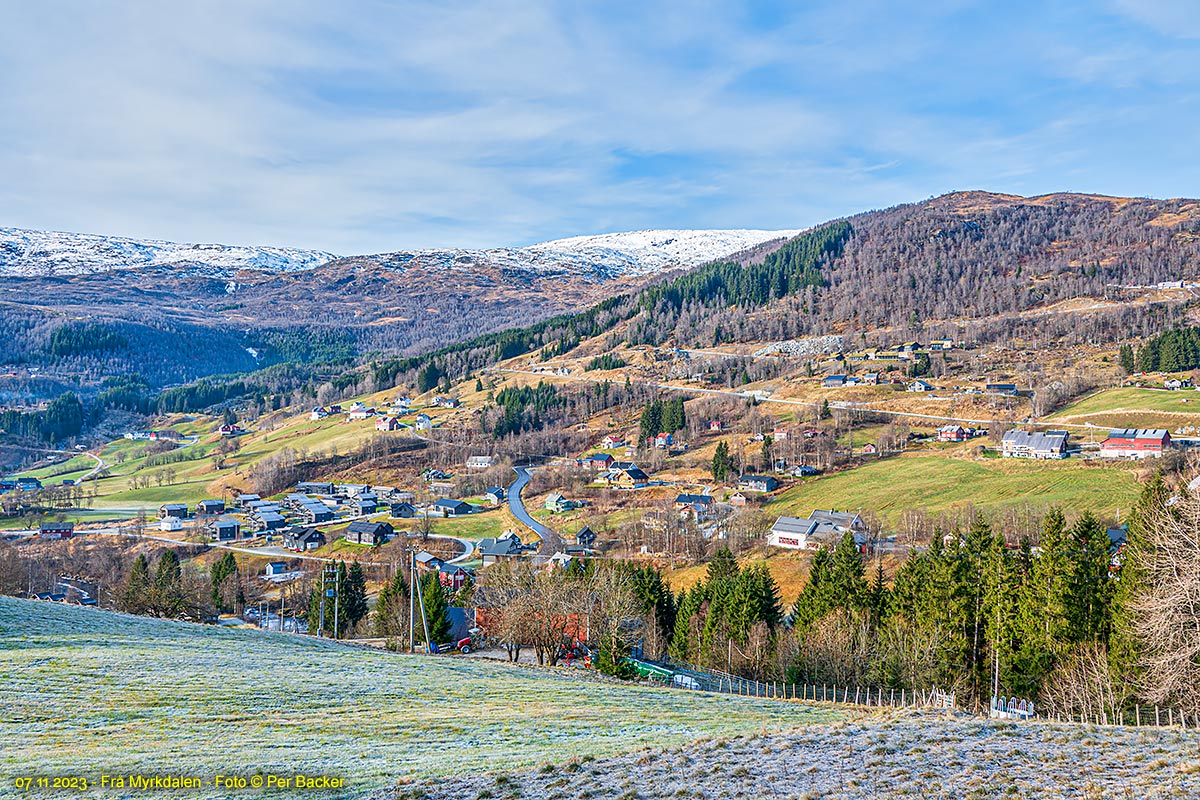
{"type": "Point", "coordinates": [412, 617]}
{"type": "Point", "coordinates": [328, 589]}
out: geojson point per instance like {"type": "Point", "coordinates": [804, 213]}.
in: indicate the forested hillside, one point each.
{"type": "Point", "coordinates": [974, 257]}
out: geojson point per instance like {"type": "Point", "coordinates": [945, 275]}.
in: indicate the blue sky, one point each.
{"type": "Point", "coordinates": [372, 126]}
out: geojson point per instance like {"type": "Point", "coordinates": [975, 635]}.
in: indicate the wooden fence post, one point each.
{"type": "Point", "coordinates": [1157, 719]}
{"type": "Point", "coordinates": [1137, 714]}
{"type": "Point", "coordinates": [893, 698]}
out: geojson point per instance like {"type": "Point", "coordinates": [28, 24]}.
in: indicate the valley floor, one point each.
{"type": "Point", "coordinates": [908, 754]}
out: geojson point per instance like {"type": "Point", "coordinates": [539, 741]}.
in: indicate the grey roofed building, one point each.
{"type": "Point", "coordinates": [1026, 444]}
{"type": "Point", "coordinates": [244, 500]}
{"type": "Point", "coordinates": [263, 520]}
{"type": "Point", "coordinates": [403, 510]}
{"type": "Point", "coordinates": [210, 507]}
{"type": "Point", "coordinates": [303, 538]}
{"type": "Point", "coordinates": [314, 512]}
{"type": "Point", "coordinates": [758, 483]}
{"type": "Point", "coordinates": [224, 528]}
{"type": "Point", "coordinates": [838, 520]}
{"type": "Point", "coordinates": [452, 508]}
{"type": "Point", "coordinates": [314, 487]}
{"type": "Point", "coordinates": [493, 550]}
{"type": "Point", "coordinates": [428, 560]}
{"type": "Point", "coordinates": [179, 510]}
{"type": "Point", "coordinates": [821, 528]}
{"type": "Point", "coordinates": [367, 532]}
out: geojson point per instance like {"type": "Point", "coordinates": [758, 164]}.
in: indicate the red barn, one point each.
{"type": "Point", "coordinates": [1135, 443]}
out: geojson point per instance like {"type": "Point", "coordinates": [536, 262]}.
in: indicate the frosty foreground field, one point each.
{"type": "Point", "coordinates": [905, 755]}
{"type": "Point", "coordinates": [84, 691]}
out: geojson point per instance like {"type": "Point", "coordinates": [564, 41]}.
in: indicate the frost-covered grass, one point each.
{"type": "Point", "coordinates": [877, 756]}
{"type": "Point", "coordinates": [84, 691]}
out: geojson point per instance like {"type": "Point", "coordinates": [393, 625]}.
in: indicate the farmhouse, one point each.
{"type": "Point", "coordinates": [479, 462]}
{"type": "Point", "coordinates": [663, 441]}
{"type": "Point", "coordinates": [170, 524]}
{"type": "Point", "coordinates": [445, 402]}
{"type": "Point", "coordinates": [495, 495]}
{"type": "Point", "coordinates": [737, 500]}
{"type": "Point", "coordinates": [275, 568]}
{"type": "Point", "coordinates": [834, 382]}
{"type": "Point", "coordinates": [611, 442]}
{"type": "Point", "coordinates": [385, 424]}
{"type": "Point", "coordinates": [1135, 443]}
{"type": "Point", "coordinates": [56, 530]}
{"type": "Point", "coordinates": [757, 483]}
{"type": "Point", "coordinates": [452, 576]}
{"type": "Point", "coordinates": [821, 528]}
{"type": "Point", "coordinates": [424, 422]}
{"type": "Point", "coordinates": [28, 484]}
{"type": "Point", "coordinates": [953, 433]}
{"type": "Point", "coordinates": [715, 426]}
{"type": "Point", "coordinates": [596, 461]}
{"type": "Point", "coordinates": [301, 538]}
{"type": "Point", "coordinates": [586, 537]}
{"type": "Point", "coordinates": [624, 475]}
{"type": "Point", "coordinates": [371, 533]}
{"type": "Point", "coordinates": [1174, 384]}
{"type": "Point", "coordinates": [173, 510]}
{"type": "Point", "coordinates": [1023, 444]}
{"type": "Point", "coordinates": [1006, 389]}
{"type": "Point", "coordinates": [361, 413]}
{"type": "Point", "coordinates": [224, 529]}
{"type": "Point", "coordinates": [871, 379]}
{"type": "Point", "coordinates": [920, 386]}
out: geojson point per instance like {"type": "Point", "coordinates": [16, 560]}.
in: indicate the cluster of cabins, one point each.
{"type": "Point", "coordinates": [386, 419]}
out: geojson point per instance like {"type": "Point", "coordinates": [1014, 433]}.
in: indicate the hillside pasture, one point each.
{"type": "Point", "coordinates": [89, 691]}
{"type": "Point", "coordinates": [936, 482]}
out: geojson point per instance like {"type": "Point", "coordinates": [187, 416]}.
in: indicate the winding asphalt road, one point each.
{"type": "Point", "coordinates": [551, 541]}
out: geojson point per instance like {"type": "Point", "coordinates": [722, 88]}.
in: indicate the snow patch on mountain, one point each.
{"type": "Point", "coordinates": [606, 256]}
{"type": "Point", "coordinates": [600, 257]}
{"type": "Point", "coordinates": [44, 253]}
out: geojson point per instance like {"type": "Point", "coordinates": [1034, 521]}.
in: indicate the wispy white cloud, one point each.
{"type": "Point", "coordinates": [369, 126]}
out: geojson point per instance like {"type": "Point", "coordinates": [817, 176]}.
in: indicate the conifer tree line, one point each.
{"type": "Point", "coordinates": [1067, 621]}
{"type": "Point", "coordinates": [1171, 351]}
{"type": "Point", "coordinates": [662, 416]}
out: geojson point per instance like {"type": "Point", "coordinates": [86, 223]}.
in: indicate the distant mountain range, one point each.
{"type": "Point", "coordinates": [30, 254]}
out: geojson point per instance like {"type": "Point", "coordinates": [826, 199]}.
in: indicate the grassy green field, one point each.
{"type": "Point", "coordinates": [1133, 407]}
{"type": "Point", "coordinates": [935, 482]}
{"type": "Point", "coordinates": [89, 691]}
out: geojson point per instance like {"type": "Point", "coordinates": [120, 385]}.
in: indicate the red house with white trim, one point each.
{"type": "Point", "coordinates": [1135, 443]}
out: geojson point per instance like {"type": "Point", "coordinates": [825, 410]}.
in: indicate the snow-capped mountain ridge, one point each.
{"type": "Point", "coordinates": [48, 253]}
{"type": "Point", "coordinates": [29, 253]}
